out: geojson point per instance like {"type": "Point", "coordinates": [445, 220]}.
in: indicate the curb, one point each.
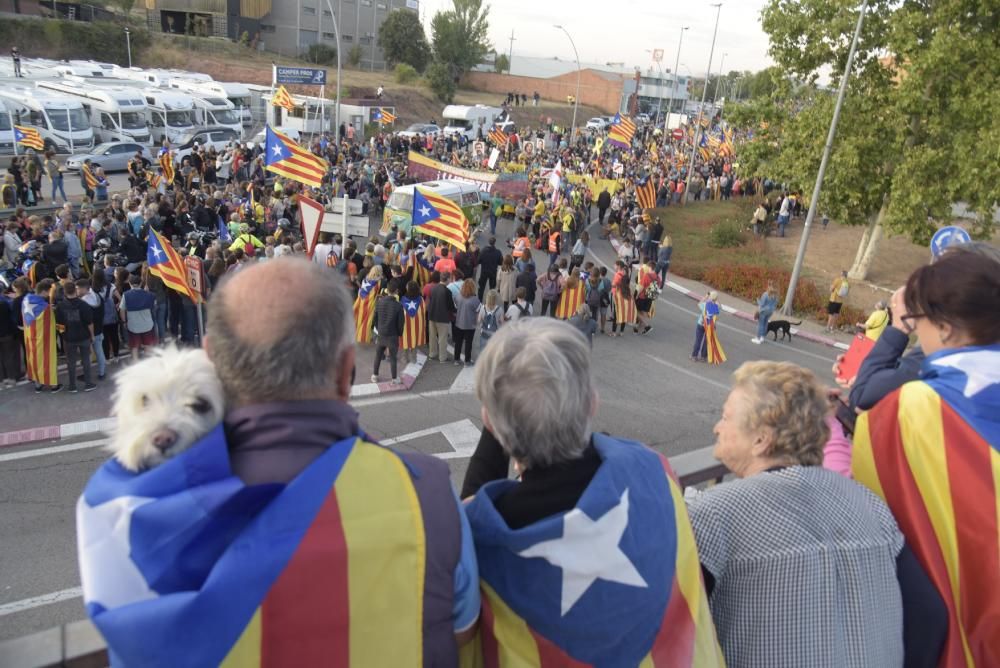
{"type": "Point", "coordinates": [743, 315]}
{"type": "Point", "coordinates": [102, 425]}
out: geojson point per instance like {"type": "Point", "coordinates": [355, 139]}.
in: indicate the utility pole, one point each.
{"type": "Point", "coordinates": [841, 94]}
{"type": "Point", "coordinates": [701, 109]}
{"type": "Point", "coordinates": [510, 51]}
{"type": "Point", "coordinates": [722, 63]}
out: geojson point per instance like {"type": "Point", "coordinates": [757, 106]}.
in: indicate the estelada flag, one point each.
{"type": "Point", "coordinates": [286, 158]}
{"type": "Point", "coordinates": [716, 355]}
{"type": "Point", "coordinates": [931, 450]}
{"type": "Point", "coordinates": [30, 137]}
{"type": "Point", "coordinates": [88, 177]}
{"type": "Point", "coordinates": [625, 313]}
{"type": "Point", "coordinates": [645, 193]}
{"type": "Point", "coordinates": [167, 165]}
{"type": "Point", "coordinates": [569, 301]}
{"type": "Point", "coordinates": [439, 217]}
{"type": "Point", "coordinates": [164, 262]}
{"type": "Point", "coordinates": [615, 581]}
{"type": "Point", "coordinates": [364, 311]}
{"type": "Point", "coordinates": [40, 339]}
{"type": "Point", "coordinates": [414, 323]}
{"type": "Point", "coordinates": [281, 98]}
{"type": "Point", "coordinates": [83, 234]}
{"type": "Point", "coordinates": [421, 273]}
{"type": "Point", "coordinates": [209, 571]}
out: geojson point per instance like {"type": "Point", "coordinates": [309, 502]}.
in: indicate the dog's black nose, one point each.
{"type": "Point", "coordinates": [164, 438]}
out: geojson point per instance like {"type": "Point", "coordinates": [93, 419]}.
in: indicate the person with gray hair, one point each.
{"type": "Point", "coordinates": [574, 548]}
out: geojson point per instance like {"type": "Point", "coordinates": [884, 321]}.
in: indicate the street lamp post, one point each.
{"type": "Point", "coordinates": [576, 100]}
{"type": "Point", "coordinates": [701, 109]}
{"type": "Point", "coordinates": [722, 63]}
{"type": "Point", "coordinates": [673, 84]}
{"type": "Point", "coordinates": [128, 46]}
{"type": "Point", "coordinates": [659, 83]}
{"type": "Point", "coordinates": [340, 55]}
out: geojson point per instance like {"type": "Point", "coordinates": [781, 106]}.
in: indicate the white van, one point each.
{"type": "Point", "coordinates": [117, 113]}
{"type": "Point", "coordinates": [171, 114]}
{"type": "Point", "coordinates": [6, 131]}
{"type": "Point", "coordinates": [236, 93]}
{"type": "Point", "coordinates": [60, 119]}
{"type": "Point", "coordinates": [468, 121]}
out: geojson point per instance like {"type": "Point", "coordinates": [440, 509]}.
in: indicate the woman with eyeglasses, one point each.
{"type": "Point", "coordinates": [931, 449]}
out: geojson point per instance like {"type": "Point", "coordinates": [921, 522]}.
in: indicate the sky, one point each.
{"type": "Point", "coordinates": [651, 24]}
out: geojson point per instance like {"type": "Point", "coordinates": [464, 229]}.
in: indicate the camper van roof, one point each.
{"type": "Point", "coordinates": [443, 187]}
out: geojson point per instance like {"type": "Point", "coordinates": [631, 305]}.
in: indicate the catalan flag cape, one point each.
{"type": "Point", "coordinates": [569, 301]}
{"type": "Point", "coordinates": [40, 339]}
{"type": "Point", "coordinates": [716, 355]}
{"type": "Point", "coordinates": [30, 137]}
{"type": "Point", "coordinates": [414, 323]}
{"type": "Point", "coordinates": [164, 262]}
{"type": "Point", "coordinates": [645, 193]}
{"type": "Point", "coordinates": [621, 132]}
{"type": "Point", "coordinates": [421, 273]}
{"type": "Point", "coordinates": [185, 565]}
{"type": "Point", "coordinates": [613, 582]}
{"type": "Point", "coordinates": [931, 450]}
{"type": "Point", "coordinates": [282, 98]}
{"type": "Point", "coordinates": [364, 311]}
{"type": "Point", "coordinates": [85, 237]}
{"type": "Point", "coordinates": [286, 158]}
{"type": "Point", "coordinates": [167, 165]}
{"type": "Point", "coordinates": [88, 177]}
{"type": "Point", "coordinates": [439, 217]}
{"type": "Point", "coordinates": [625, 313]}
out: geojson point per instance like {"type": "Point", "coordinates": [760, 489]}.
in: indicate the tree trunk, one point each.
{"type": "Point", "coordinates": [869, 244]}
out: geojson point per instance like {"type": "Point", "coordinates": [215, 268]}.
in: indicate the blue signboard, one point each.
{"type": "Point", "coordinates": [300, 75]}
{"type": "Point", "coordinates": [948, 236]}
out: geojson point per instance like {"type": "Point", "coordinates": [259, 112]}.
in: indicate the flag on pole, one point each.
{"type": "Point", "coordinates": [439, 217]}
{"type": "Point", "coordinates": [282, 98]}
{"type": "Point", "coordinates": [383, 116]}
{"type": "Point", "coordinates": [497, 136]}
{"type": "Point", "coordinates": [286, 158]}
{"type": "Point", "coordinates": [29, 137]}
{"type": "Point", "coordinates": [414, 323]}
{"type": "Point", "coordinates": [645, 192]}
{"type": "Point", "coordinates": [622, 131]}
{"type": "Point", "coordinates": [164, 262]}
{"type": "Point", "coordinates": [40, 339]}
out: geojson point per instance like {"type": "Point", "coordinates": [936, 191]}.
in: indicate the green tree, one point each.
{"type": "Point", "coordinates": [917, 132]}
{"type": "Point", "coordinates": [401, 38]}
{"type": "Point", "coordinates": [354, 55]}
{"type": "Point", "coordinates": [126, 6]}
{"type": "Point", "coordinates": [441, 81]}
{"type": "Point", "coordinates": [501, 64]}
{"type": "Point", "coordinates": [460, 35]}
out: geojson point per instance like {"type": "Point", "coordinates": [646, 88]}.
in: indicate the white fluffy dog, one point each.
{"type": "Point", "coordinates": [163, 405]}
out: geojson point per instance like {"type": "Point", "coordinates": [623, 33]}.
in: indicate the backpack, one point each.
{"type": "Point", "coordinates": [248, 247]}
{"type": "Point", "coordinates": [844, 289]}
{"type": "Point", "coordinates": [525, 312]}
{"type": "Point", "coordinates": [331, 259]}
{"type": "Point", "coordinates": [110, 314]}
{"type": "Point", "coordinates": [490, 325]}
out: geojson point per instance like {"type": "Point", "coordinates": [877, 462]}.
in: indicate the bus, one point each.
{"type": "Point", "coordinates": [399, 209]}
{"type": "Point", "coordinates": [171, 114]}
{"type": "Point", "coordinates": [60, 119]}
{"type": "Point", "coordinates": [117, 113]}
{"type": "Point", "coordinates": [237, 94]}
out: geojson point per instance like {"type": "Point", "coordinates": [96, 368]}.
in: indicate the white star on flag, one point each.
{"type": "Point", "coordinates": [588, 551]}
{"type": "Point", "coordinates": [277, 149]}
{"type": "Point", "coordinates": [412, 308]}
{"type": "Point", "coordinates": [29, 309]}
{"type": "Point", "coordinates": [425, 212]}
{"type": "Point", "coordinates": [981, 369]}
{"type": "Point", "coordinates": [157, 252]}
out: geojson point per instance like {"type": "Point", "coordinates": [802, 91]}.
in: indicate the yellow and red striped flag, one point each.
{"type": "Point", "coordinates": [164, 262]}
{"type": "Point", "coordinates": [645, 192]}
{"type": "Point", "coordinates": [364, 310]}
{"type": "Point", "coordinates": [286, 158]}
{"type": "Point", "coordinates": [930, 450]}
{"type": "Point", "coordinates": [167, 165]}
{"type": "Point", "coordinates": [570, 300]}
{"type": "Point", "coordinates": [414, 323]}
{"type": "Point", "coordinates": [439, 217]}
{"type": "Point", "coordinates": [29, 137]}
{"type": "Point", "coordinates": [497, 136]}
{"type": "Point", "coordinates": [282, 98]}
{"type": "Point", "coordinates": [88, 176]}
{"type": "Point", "coordinates": [384, 116]}
{"type": "Point", "coordinates": [625, 313]}
{"type": "Point", "coordinates": [40, 339]}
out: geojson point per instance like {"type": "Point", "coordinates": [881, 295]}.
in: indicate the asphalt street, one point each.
{"type": "Point", "coordinates": [649, 391]}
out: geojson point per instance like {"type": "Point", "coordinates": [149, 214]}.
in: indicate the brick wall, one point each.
{"type": "Point", "coordinates": [595, 89]}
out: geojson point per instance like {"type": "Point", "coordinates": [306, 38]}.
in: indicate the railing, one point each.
{"type": "Point", "coordinates": [80, 645]}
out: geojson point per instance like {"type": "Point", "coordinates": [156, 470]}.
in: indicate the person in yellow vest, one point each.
{"type": "Point", "coordinates": [247, 242]}
{"type": "Point", "coordinates": [877, 321]}
{"type": "Point", "coordinates": [568, 225]}
{"type": "Point", "coordinates": [536, 215]}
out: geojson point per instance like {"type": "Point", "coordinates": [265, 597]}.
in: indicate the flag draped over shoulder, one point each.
{"type": "Point", "coordinates": [364, 311]}
{"type": "Point", "coordinates": [88, 177]}
{"type": "Point", "coordinates": [931, 450]}
{"type": "Point", "coordinates": [569, 301]}
{"type": "Point", "coordinates": [439, 217]}
{"type": "Point", "coordinates": [625, 313]}
{"type": "Point", "coordinates": [40, 339]}
{"type": "Point", "coordinates": [716, 355]}
{"type": "Point", "coordinates": [164, 262]}
{"type": "Point", "coordinates": [421, 274]}
{"type": "Point", "coordinates": [29, 137]}
{"type": "Point", "coordinates": [184, 565]}
{"type": "Point", "coordinates": [167, 165]}
{"type": "Point", "coordinates": [82, 233]}
{"type": "Point", "coordinates": [286, 158]}
{"type": "Point", "coordinates": [613, 582]}
{"type": "Point", "coordinates": [414, 323]}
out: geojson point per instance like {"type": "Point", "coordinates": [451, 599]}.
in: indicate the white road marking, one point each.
{"type": "Point", "coordinates": [38, 601]}
{"type": "Point", "coordinates": [688, 372]}
{"type": "Point", "coordinates": [54, 450]}
{"type": "Point", "coordinates": [462, 435]}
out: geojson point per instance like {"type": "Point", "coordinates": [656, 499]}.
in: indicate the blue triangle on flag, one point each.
{"type": "Point", "coordinates": [423, 210]}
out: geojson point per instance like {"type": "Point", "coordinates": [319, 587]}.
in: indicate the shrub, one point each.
{"type": "Point", "coordinates": [726, 234]}
{"type": "Point", "coordinates": [440, 81]}
{"type": "Point", "coordinates": [404, 73]}
{"type": "Point", "coordinates": [354, 55]}
{"type": "Point", "coordinates": [322, 54]}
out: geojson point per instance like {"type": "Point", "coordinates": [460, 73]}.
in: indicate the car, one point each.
{"type": "Point", "coordinates": [597, 123]}
{"type": "Point", "coordinates": [112, 156]}
{"type": "Point", "coordinates": [422, 129]}
{"type": "Point", "coordinates": [261, 137]}
{"type": "Point", "coordinates": [643, 117]}
{"type": "Point", "coordinates": [218, 136]}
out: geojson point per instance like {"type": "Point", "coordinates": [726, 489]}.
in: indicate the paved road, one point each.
{"type": "Point", "coordinates": [649, 391]}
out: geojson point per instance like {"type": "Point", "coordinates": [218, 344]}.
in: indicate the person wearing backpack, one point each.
{"type": "Point", "coordinates": [521, 308]}
{"type": "Point", "coordinates": [838, 292]}
{"type": "Point", "coordinates": [246, 241]}
{"type": "Point", "coordinates": [96, 303]}
{"type": "Point", "coordinates": [110, 342]}
{"type": "Point", "coordinates": [551, 285]}
{"type": "Point", "coordinates": [490, 317]}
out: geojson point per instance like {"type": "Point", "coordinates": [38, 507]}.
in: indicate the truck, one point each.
{"type": "Point", "coordinates": [60, 119]}
{"type": "Point", "coordinates": [468, 121]}
{"type": "Point", "coordinates": [117, 113]}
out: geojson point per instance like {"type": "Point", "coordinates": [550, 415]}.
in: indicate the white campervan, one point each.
{"type": "Point", "coordinates": [6, 130]}
{"type": "Point", "coordinates": [214, 110]}
{"type": "Point", "coordinates": [237, 94]}
{"type": "Point", "coordinates": [171, 114]}
{"type": "Point", "coordinates": [117, 113]}
{"type": "Point", "coordinates": [60, 119]}
{"type": "Point", "coordinates": [465, 120]}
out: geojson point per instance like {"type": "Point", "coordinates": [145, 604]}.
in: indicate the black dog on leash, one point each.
{"type": "Point", "coordinates": [783, 326]}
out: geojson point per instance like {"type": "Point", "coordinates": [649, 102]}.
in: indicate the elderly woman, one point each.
{"type": "Point", "coordinates": [804, 567]}
{"type": "Point", "coordinates": [581, 559]}
{"type": "Point", "coordinates": [876, 322]}
{"type": "Point", "coordinates": [930, 447]}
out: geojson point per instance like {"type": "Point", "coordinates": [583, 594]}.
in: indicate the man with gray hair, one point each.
{"type": "Point", "coordinates": [587, 549]}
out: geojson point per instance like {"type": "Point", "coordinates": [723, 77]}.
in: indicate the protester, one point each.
{"type": "Point", "coordinates": [467, 307]}
{"type": "Point", "coordinates": [76, 317]}
{"type": "Point", "coordinates": [489, 318]}
{"type": "Point", "coordinates": [440, 314]}
{"type": "Point", "coordinates": [388, 328]}
{"type": "Point", "coordinates": [137, 309]}
{"type": "Point", "coordinates": [876, 322]}
{"type": "Point", "coordinates": [766, 304]}
{"type": "Point", "coordinates": [838, 292]}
